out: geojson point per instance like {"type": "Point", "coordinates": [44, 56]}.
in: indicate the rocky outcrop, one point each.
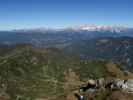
{"type": "Point", "coordinates": [122, 85]}
{"type": "Point", "coordinates": [106, 89]}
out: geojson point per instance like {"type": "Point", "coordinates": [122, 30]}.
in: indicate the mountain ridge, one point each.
{"type": "Point", "coordinates": [87, 27]}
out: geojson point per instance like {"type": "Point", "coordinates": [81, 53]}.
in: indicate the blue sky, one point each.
{"type": "Point", "coordinates": [17, 14]}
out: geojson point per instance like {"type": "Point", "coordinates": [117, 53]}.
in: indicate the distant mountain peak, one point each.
{"type": "Point", "coordinates": [93, 27]}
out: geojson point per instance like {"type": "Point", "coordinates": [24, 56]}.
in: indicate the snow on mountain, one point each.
{"type": "Point", "coordinates": [88, 27]}
{"type": "Point", "coordinates": [103, 28]}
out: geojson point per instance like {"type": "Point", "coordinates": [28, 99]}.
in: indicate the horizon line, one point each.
{"type": "Point", "coordinates": [65, 27]}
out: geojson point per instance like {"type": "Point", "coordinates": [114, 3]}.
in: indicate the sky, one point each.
{"type": "Point", "coordinates": [19, 14]}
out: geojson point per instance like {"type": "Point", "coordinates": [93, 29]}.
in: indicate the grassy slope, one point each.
{"type": "Point", "coordinates": [30, 73]}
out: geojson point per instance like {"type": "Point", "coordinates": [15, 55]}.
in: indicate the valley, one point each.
{"type": "Point", "coordinates": [54, 65]}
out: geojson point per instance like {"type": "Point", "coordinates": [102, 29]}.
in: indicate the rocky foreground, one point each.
{"type": "Point", "coordinates": [93, 86]}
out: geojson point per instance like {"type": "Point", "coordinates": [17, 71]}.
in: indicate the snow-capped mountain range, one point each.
{"type": "Point", "coordinates": [87, 27]}
{"type": "Point", "coordinates": [103, 28]}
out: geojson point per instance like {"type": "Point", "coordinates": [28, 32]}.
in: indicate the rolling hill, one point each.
{"type": "Point", "coordinates": [29, 73]}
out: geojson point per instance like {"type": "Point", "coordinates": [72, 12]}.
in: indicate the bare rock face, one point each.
{"type": "Point", "coordinates": [105, 89]}
{"type": "Point", "coordinates": [116, 84]}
